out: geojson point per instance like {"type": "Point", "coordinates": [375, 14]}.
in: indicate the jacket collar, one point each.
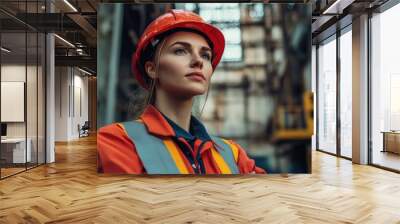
{"type": "Point", "coordinates": [196, 130]}
{"type": "Point", "coordinates": [155, 122]}
{"type": "Point", "coordinates": [158, 124]}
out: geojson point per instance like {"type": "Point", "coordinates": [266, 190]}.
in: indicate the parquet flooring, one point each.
{"type": "Point", "coordinates": [70, 191]}
{"type": "Point", "coordinates": [9, 171]}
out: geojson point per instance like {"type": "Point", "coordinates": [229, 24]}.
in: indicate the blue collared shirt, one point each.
{"type": "Point", "coordinates": [196, 131]}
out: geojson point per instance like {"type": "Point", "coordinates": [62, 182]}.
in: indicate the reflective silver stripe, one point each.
{"type": "Point", "coordinates": [153, 153]}
{"type": "Point", "coordinates": [226, 153]}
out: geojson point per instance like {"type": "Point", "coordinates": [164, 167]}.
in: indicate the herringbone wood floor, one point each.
{"type": "Point", "coordinates": [70, 191]}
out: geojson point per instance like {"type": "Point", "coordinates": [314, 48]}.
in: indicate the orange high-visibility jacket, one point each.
{"type": "Point", "coordinates": [117, 152]}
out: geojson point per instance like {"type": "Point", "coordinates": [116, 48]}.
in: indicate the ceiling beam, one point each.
{"type": "Point", "coordinates": [83, 61]}
{"type": "Point", "coordinates": [84, 24]}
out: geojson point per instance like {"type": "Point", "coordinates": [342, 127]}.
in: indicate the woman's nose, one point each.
{"type": "Point", "coordinates": [196, 61]}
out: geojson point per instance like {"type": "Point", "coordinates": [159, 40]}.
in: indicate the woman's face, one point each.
{"type": "Point", "coordinates": [184, 65]}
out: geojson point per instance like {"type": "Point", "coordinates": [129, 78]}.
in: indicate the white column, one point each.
{"type": "Point", "coordinates": [50, 110]}
{"type": "Point", "coordinates": [50, 93]}
{"type": "Point", "coordinates": [360, 90]}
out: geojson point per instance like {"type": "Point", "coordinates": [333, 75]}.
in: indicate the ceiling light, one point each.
{"type": "Point", "coordinates": [79, 51]}
{"type": "Point", "coordinates": [84, 71]}
{"type": "Point", "coordinates": [65, 41]}
{"type": "Point", "coordinates": [70, 5]}
{"type": "Point", "coordinates": [5, 50]}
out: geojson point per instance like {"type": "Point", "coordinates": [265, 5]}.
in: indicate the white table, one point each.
{"type": "Point", "coordinates": [17, 145]}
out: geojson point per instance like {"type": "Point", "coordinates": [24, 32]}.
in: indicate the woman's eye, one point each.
{"type": "Point", "coordinates": [179, 51]}
{"type": "Point", "coordinates": [207, 57]}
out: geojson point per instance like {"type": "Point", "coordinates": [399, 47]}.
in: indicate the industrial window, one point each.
{"type": "Point", "coordinates": [225, 16]}
{"type": "Point", "coordinates": [385, 88]}
{"type": "Point", "coordinates": [345, 83]}
{"type": "Point", "coordinates": [327, 95]}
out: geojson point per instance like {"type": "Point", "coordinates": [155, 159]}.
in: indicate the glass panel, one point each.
{"type": "Point", "coordinates": [327, 96]}
{"type": "Point", "coordinates": [314, 89]}
{"type": "Point", "coordinates": [346, 94]}
{"type": "Point", "coordinates": [22, 79]}
{"type": "Point", "coordinates": [13, 86]}
{"type": "Point", "coordinates": [31, 98]}
{"type": "Point", "coordinates": [31, 86]}
{"type": "Point", "coordinates": [41, 99]}
{"type": "Point", "coordinates": [385, 89]}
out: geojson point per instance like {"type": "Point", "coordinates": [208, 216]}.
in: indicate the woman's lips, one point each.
{"type": "Point", "coordinates": [198, 76]}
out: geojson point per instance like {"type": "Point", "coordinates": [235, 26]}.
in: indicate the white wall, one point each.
{"type": "Point", "coordinates": [16, 73]}
{"type": "Point", "coordinates": [61, 103]}
{"type": "Point", "coordinates": [80, 100]}
{"type": "Point", "coordinates": [71, 94]}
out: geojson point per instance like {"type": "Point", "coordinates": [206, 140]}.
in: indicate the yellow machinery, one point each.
{"type": "Point", "coordinates": [294, 122]}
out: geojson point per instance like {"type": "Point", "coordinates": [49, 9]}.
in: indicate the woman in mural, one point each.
{"type": "Point", "coordinates": [174, 61]}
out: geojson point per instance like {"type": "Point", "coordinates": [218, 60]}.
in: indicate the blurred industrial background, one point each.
{"type": "Point", "coordinates": [261, 91]}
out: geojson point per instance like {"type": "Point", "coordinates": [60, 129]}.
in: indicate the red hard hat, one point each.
{"type": "Point", "coordinates": [171, 20]}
